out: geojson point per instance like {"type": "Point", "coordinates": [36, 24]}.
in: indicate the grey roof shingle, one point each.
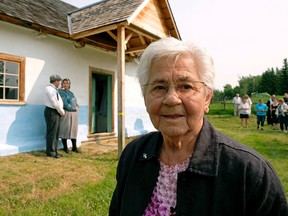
{"type": "Point", "coordinates": [47, 13]}
{"type": "Point", "coordinates": [103, 13]}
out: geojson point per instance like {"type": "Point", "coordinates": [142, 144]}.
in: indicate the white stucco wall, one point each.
{"type": "Point", "coordinates": [54, 55]}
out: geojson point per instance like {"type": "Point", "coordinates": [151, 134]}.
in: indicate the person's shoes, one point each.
{"type": "Point", "coordinates": [258, 127]}
{"type": "Point", "coordinates": [59, 155]}
{"type": "Point", "coordinates": [75, 150]}
{"type": "Point", "coordinates": [261, 128]}
{"type": "Point", "coordinates": [54, 155]}
{"type": "Point", "coordinates": [67, 151]}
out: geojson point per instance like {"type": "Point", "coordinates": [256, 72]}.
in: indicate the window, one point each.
{"type": "Point", "coordinates": [12, 79]}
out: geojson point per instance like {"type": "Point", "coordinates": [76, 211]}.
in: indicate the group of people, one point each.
{"type": "Point", "coordinates": [275, 109]}
{"type": "Point", "coordinates": [278, 112]}
{"type": "Point", "coordinates": [187, 167]}
{"type": "Point", "coordinates": [61, 116]}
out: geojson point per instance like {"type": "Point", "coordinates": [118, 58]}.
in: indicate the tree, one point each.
{"type": "Point", "coordinates": [228, 91]}
{"type": "Point", "coordinates": [268, 82]}
{"type": "Point", "coordinates": [217, 95]}
{"type": "Point", "coordinates": [283, 77]}
{"type": "Point", "coordinates": [249, 84]}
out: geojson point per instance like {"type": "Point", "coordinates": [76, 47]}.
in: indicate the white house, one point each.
{"type": "Point", "coordinates": [94, 47]}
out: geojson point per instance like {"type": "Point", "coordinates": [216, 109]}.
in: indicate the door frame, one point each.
{"type": "Point", "coordinates": [93, 70]}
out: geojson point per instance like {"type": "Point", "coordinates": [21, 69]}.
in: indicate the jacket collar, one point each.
{"type": "Point", "coordinates": [152, 147]}
{"type": "Point", "coordinates": [205, 157]}
{"type": "Point", "coordinates": [204, 160]}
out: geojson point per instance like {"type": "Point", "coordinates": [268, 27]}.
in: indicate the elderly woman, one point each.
{"type": "Point", "coordinates": [282, 112]}
{"type": "Point", "coordinates": [68, 128]}
{"type": "Point", "coordinates": [187, 167]}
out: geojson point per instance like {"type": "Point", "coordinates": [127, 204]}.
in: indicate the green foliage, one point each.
{"type": "Point", "coordinates": [282, 78]}
{"type": "Point", "coordinates": [270, 77]}
{"type": "Point", "coordinates": [272, 144]}
{"type": "Point", "coordinates": [249, 84]}
{"type": "Point", "coordinates": [273, 81]}
{"type": "Point", "coordinates": [221, 108]}
{"type": "Point", "coordinates": [228, 91]}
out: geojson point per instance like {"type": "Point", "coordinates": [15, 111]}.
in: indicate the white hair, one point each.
{"type": "Point", "coordinates": [173, 48]}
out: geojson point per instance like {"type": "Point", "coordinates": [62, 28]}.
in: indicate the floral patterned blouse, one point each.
{"type": "Point", "coordinates": [163, 200]}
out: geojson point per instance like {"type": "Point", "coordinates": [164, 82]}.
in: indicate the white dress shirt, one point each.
{"type": "Point", "coordinates": [236, 100]}
{"type": "Point", "coordinates": [53, 100]}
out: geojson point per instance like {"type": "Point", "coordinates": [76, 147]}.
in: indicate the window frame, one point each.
{"type": "Point", "coordinates": [21, 78]}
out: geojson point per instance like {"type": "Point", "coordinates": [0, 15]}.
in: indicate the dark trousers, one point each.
{"type": "Point", "coordinates": [52, 118]}
{"type": "Point", "coordinates": [283, 120]}
{"type": "Point", "coordinates": [260, 120]}
{"type": "Point", "coordinates": [74, 144]}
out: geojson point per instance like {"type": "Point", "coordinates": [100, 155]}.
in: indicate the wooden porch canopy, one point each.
{"type": "Point", "coordinates": [126, 27]}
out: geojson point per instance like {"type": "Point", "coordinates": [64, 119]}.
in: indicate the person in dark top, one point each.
{"type": "Point", "coordinates": [187, 167]}
{"type": "Point", "coordinates": [68, 128]}
{"type": "Point", "coordinates": [268, 114]}
{"type": "Point", "coordinates": [273, 108]}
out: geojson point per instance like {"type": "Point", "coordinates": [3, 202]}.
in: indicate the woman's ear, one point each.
{"type": "Point", "coordinates": [207, 100]}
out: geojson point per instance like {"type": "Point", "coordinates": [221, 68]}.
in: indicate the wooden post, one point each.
{"type": "Point", "coordinates": [121, 86]}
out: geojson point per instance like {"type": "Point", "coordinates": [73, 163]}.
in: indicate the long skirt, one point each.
{"type": "Point", "coordinates": [68, 128]}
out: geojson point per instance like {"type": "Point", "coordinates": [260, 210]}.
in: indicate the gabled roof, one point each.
{"type": "Point", "coordinates": [103, 13]}
{"type": "Point", "coordinates": [144, 21]}
{"type": "Point", "coordinates": [50, 14]}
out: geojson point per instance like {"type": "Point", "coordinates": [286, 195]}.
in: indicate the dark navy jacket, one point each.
{"type": "Point", "coordinates": [223, 178]}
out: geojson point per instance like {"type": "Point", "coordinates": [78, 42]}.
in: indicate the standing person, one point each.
{"type": "Point", "coordinates": [236, 103]}
{"type": "Point", "coordinates": [244, 111]}
{"type": "Point", "coordinates": [187, 167]}
{"type": "Point", "coordinates": [285, 98]}
{"type": "Point", "coordinates": [282, 111]}
{"type": "Point", "coordinates": [69, 123]}
{"type": "Point", "coordinates": [249, 101]}
{"type": "Point", "coordinates": [261, 110]}
{"type": "Point", "coordinates": [274, 116]}
{"type": "Point", "coordinates": [269, 102]}
{"type": "Point", "coordinates": [52, 113]}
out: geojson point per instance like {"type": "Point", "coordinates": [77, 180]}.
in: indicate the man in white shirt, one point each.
{"type": "Point", "coordinates": [236, 103]}
{"type": "Point", "coordinates": [52, 113]}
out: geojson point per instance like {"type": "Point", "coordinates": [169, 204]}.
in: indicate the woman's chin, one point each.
{"type": "Point", "coordinates": [173, 132]}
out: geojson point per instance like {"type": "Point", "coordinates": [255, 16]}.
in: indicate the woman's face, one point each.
{"type": "Point", "coordinates": [65, 84]}
{"type": "Point", "coordinates": [175, 112]}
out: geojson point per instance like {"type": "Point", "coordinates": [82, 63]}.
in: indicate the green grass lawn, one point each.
{"type": "Point", "coordinates": [273, 145]}
{"type": "Point", "coordinates": [82, 184]}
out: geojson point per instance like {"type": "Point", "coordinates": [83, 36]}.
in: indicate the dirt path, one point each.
{"type": "Point", "coordinates": [98, 148]}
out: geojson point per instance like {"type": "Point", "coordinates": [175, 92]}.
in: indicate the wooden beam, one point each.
{"type": "Point", "coordinates": [93, 32]}
{"type": "Point", "coordinates": [139, 31]}
{"type": "Point", "coordinates": [121, 86]}
{"type": "Point", "coordinates": [142, 39]}
{"type": "Point", "coordinates": [128, 37]}
{"type": "Point", "coordinates": [100, 44]}
{"type": "Point", "coordinates": [112, 35]}
{"type": "Point", "coordinates": [136, 49]}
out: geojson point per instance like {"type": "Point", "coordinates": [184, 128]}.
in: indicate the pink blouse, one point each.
{"type": "Point", "coordinates": [165, 191]}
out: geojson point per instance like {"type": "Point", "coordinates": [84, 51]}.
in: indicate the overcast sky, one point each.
{"type": "Point", "coordinates": [244, 37]}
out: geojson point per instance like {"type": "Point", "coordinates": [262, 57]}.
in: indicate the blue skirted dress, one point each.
{"type": "Point", "coordinates": [68, 128]}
